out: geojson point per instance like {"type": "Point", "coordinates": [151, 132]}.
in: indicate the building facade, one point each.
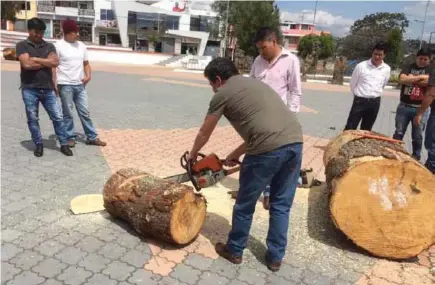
{"type": "Point", "coordinates": [185, 27]}
{"type": "Point", "coordinates": [292, 33]}
{"type": "Point", "coordinates": [172, 27]}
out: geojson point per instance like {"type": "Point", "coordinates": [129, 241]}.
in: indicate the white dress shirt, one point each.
{"type": "Point", "coordinates": [368, 80]}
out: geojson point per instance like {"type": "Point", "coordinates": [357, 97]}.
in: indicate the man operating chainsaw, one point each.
{"type": "Point", "coordinates": [273, 154]}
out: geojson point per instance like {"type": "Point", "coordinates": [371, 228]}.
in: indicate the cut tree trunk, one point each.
{"type": "Point", "coordinates": [168, 211]}
{"type": "Point", "coordinates": [380, 197]}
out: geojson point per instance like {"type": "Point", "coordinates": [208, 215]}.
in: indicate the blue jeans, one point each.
{"type": "Point", "coordinates": [76, 94]}
{"type": "Point", "coordinates": [429, 143]}
{"type": "Point", "coordinates": [280, 169]}
{"type": "Point", "coordinates": [405, 114]}
{"type": "Point", "coordinates": [48, 99]}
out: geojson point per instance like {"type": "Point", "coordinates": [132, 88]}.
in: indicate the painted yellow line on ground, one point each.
{"type": "Point", "coordinates": [186, 83]}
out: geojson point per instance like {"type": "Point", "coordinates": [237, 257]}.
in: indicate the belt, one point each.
{"type": "Point", "coordinates": [368, 98]}
{"type": "Point", "coordinates": [410, 105]}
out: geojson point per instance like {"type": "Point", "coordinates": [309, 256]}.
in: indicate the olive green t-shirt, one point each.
{"type": "Point", "coordinates": [257, 113]}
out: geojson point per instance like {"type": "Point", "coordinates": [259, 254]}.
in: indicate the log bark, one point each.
{"type": "Point", "coordinates": [168, 211]}
{"type": "Point", "coordinates": [380, 197]}
{"type": "Point", "coordinates": [10, 54]}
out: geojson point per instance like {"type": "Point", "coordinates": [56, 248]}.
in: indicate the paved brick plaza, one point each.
{"type": "Point", "coordinates": [149, 117]}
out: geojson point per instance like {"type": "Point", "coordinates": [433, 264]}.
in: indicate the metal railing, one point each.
{"type": "Point", "coordinates": [45, 6]}
{"type": "Point", "coordinates": [87, 12]}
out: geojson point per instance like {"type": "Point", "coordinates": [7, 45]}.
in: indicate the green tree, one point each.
{"type": "Point", "coordinates": [248, 17]}
{"type": "Point", "coordinates": [323, 44]}
{"type": "Point", "coordinates": [9, 10]}
{"type": "Point", "coordinates": [395, 48]}
{"type": "Point", "coordinates": [366, 32]}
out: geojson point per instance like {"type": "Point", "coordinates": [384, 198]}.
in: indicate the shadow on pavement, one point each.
{"type": "Point", "coordinates": [320, 224]}
{"type": "Point", "coordinates": [50, 143]}
{"type": "Point", "coordinates": [216, 229]}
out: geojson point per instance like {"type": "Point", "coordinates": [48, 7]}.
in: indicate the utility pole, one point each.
{"type": "Point", "coordinates": [315, 12]}
{"type": "Point", "coordinates": [226, 29]}
{"type": "Point", "coordinates": [25, 13]}
{"type": "Point", "coordinates": [424, 23]}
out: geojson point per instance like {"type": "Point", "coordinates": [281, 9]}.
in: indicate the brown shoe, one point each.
{"type": "Point", "coordinates": [222, 250]}
{"type": "Point", "coordinates": [273, 266]}
{"type": "Point", "coordinates": [96, 142]}
{"type": "Point", "coordinates": [266, 203]}
{"type": "Point", "coordinates": [71, 143]}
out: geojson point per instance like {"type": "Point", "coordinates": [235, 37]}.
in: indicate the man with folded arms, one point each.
{"type": "Point", "coordinates": [37, 58]}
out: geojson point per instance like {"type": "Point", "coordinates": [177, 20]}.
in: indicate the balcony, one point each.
{"type": "Point", "coordinates": [113, 24]}
{"type": "Point", "coordinates": [45, 7]}
{"type": "Point", "coordinates": [86, 13]}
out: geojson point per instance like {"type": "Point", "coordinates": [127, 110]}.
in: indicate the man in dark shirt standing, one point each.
{"type": "Point", "coordinates": [414, 80]}
{"type": "Point", "coordinates": [429, 100]}
{"type": "Point", "coordinates": [273, 143]}
{"type": "Point", "coordinates": [37, 58]}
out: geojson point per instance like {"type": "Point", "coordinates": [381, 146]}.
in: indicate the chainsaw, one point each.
{"type": "Point", "coordinates": [203, 173]}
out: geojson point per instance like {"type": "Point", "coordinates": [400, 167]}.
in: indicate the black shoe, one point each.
{"type": "Point", "coordinates": [39, 151]}
{"type": "Point", "coordinates": [66, 150]}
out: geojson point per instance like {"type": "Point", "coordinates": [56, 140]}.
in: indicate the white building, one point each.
{"type": "Point", "coordinates": [190, 26]}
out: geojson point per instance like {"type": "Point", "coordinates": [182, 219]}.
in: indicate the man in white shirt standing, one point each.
{"type": "Point", "coordinates": [72, 75]}
{"type": "Point", "coordinates": [367, 84]}
{"type": "Point", "coordinates": [280, 69]}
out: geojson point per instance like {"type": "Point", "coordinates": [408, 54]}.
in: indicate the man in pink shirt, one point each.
{"type": "Point", "coordinates": [280, 69]}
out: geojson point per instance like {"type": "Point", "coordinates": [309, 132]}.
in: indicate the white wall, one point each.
{"type": "Point", "coordinates": [125, 57]}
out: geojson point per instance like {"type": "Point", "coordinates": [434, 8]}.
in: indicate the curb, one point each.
{"type": "Point", "coordinates": [247, 75]}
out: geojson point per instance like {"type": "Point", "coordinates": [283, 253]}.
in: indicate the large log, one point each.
{"type": "Point", "coordinates": [380, 197]}
{"type": "Point", "coordinates": [168, 211]}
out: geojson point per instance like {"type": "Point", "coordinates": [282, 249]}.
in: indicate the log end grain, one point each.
{"type": "Point", "coordinates": [386, 206]}
{"type": "Point", "coordinates": [152, 206]}
{"type": "Point", "coordinates": [188, 216]}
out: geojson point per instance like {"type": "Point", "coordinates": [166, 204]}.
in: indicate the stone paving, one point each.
{"type": "Point", "coordinates": [149, 117]}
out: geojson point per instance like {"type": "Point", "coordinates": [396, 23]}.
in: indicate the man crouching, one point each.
{"type": "Point", "coordinates": [273, 146]}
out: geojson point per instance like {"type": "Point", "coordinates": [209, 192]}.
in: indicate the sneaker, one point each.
{"type": "Point", "coordinates": [39, 151]}
{"type": "Point", "coordinates": [96, 142]}
{"type": "Point", "coordinates": [71, 143]}
{"type": "Point", "coordinates": [222, 250]}
{"type": "Point", "coordinates": [66, 150]}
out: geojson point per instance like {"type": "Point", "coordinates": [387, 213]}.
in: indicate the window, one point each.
{"type": "Point", "coordinates": [293, 40]}
{"type": "Point", "coordinates": [172, 22]}
{"type": "Point", "coordinates": [24, 5]}
{"type": "Point", "coordinates": [305, 27]}
{"type": "Point", "coordinates": [200, 23]}
{"type": "Point", "coordinates": [293, 27]}
{"type": "Point", "coordinates": [108, 15]}
{"type": "Point", "coordinates": [113, 39]}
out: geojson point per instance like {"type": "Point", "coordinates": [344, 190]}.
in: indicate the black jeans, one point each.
{"type": "Point", "coordinates": [364, 110]}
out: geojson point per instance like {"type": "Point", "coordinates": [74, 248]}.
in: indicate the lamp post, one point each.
{"type": "Point", "coordinates": [424, 23]}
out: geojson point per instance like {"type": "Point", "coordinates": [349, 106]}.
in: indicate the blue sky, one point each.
{"type": "Point", "coordinates": [338, 16]}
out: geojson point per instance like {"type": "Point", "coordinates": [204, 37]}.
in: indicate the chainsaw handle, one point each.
{"type": "Point", "coordinates": [232, 170]}
{"type": "Point", "coordinates": [187, 165]}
